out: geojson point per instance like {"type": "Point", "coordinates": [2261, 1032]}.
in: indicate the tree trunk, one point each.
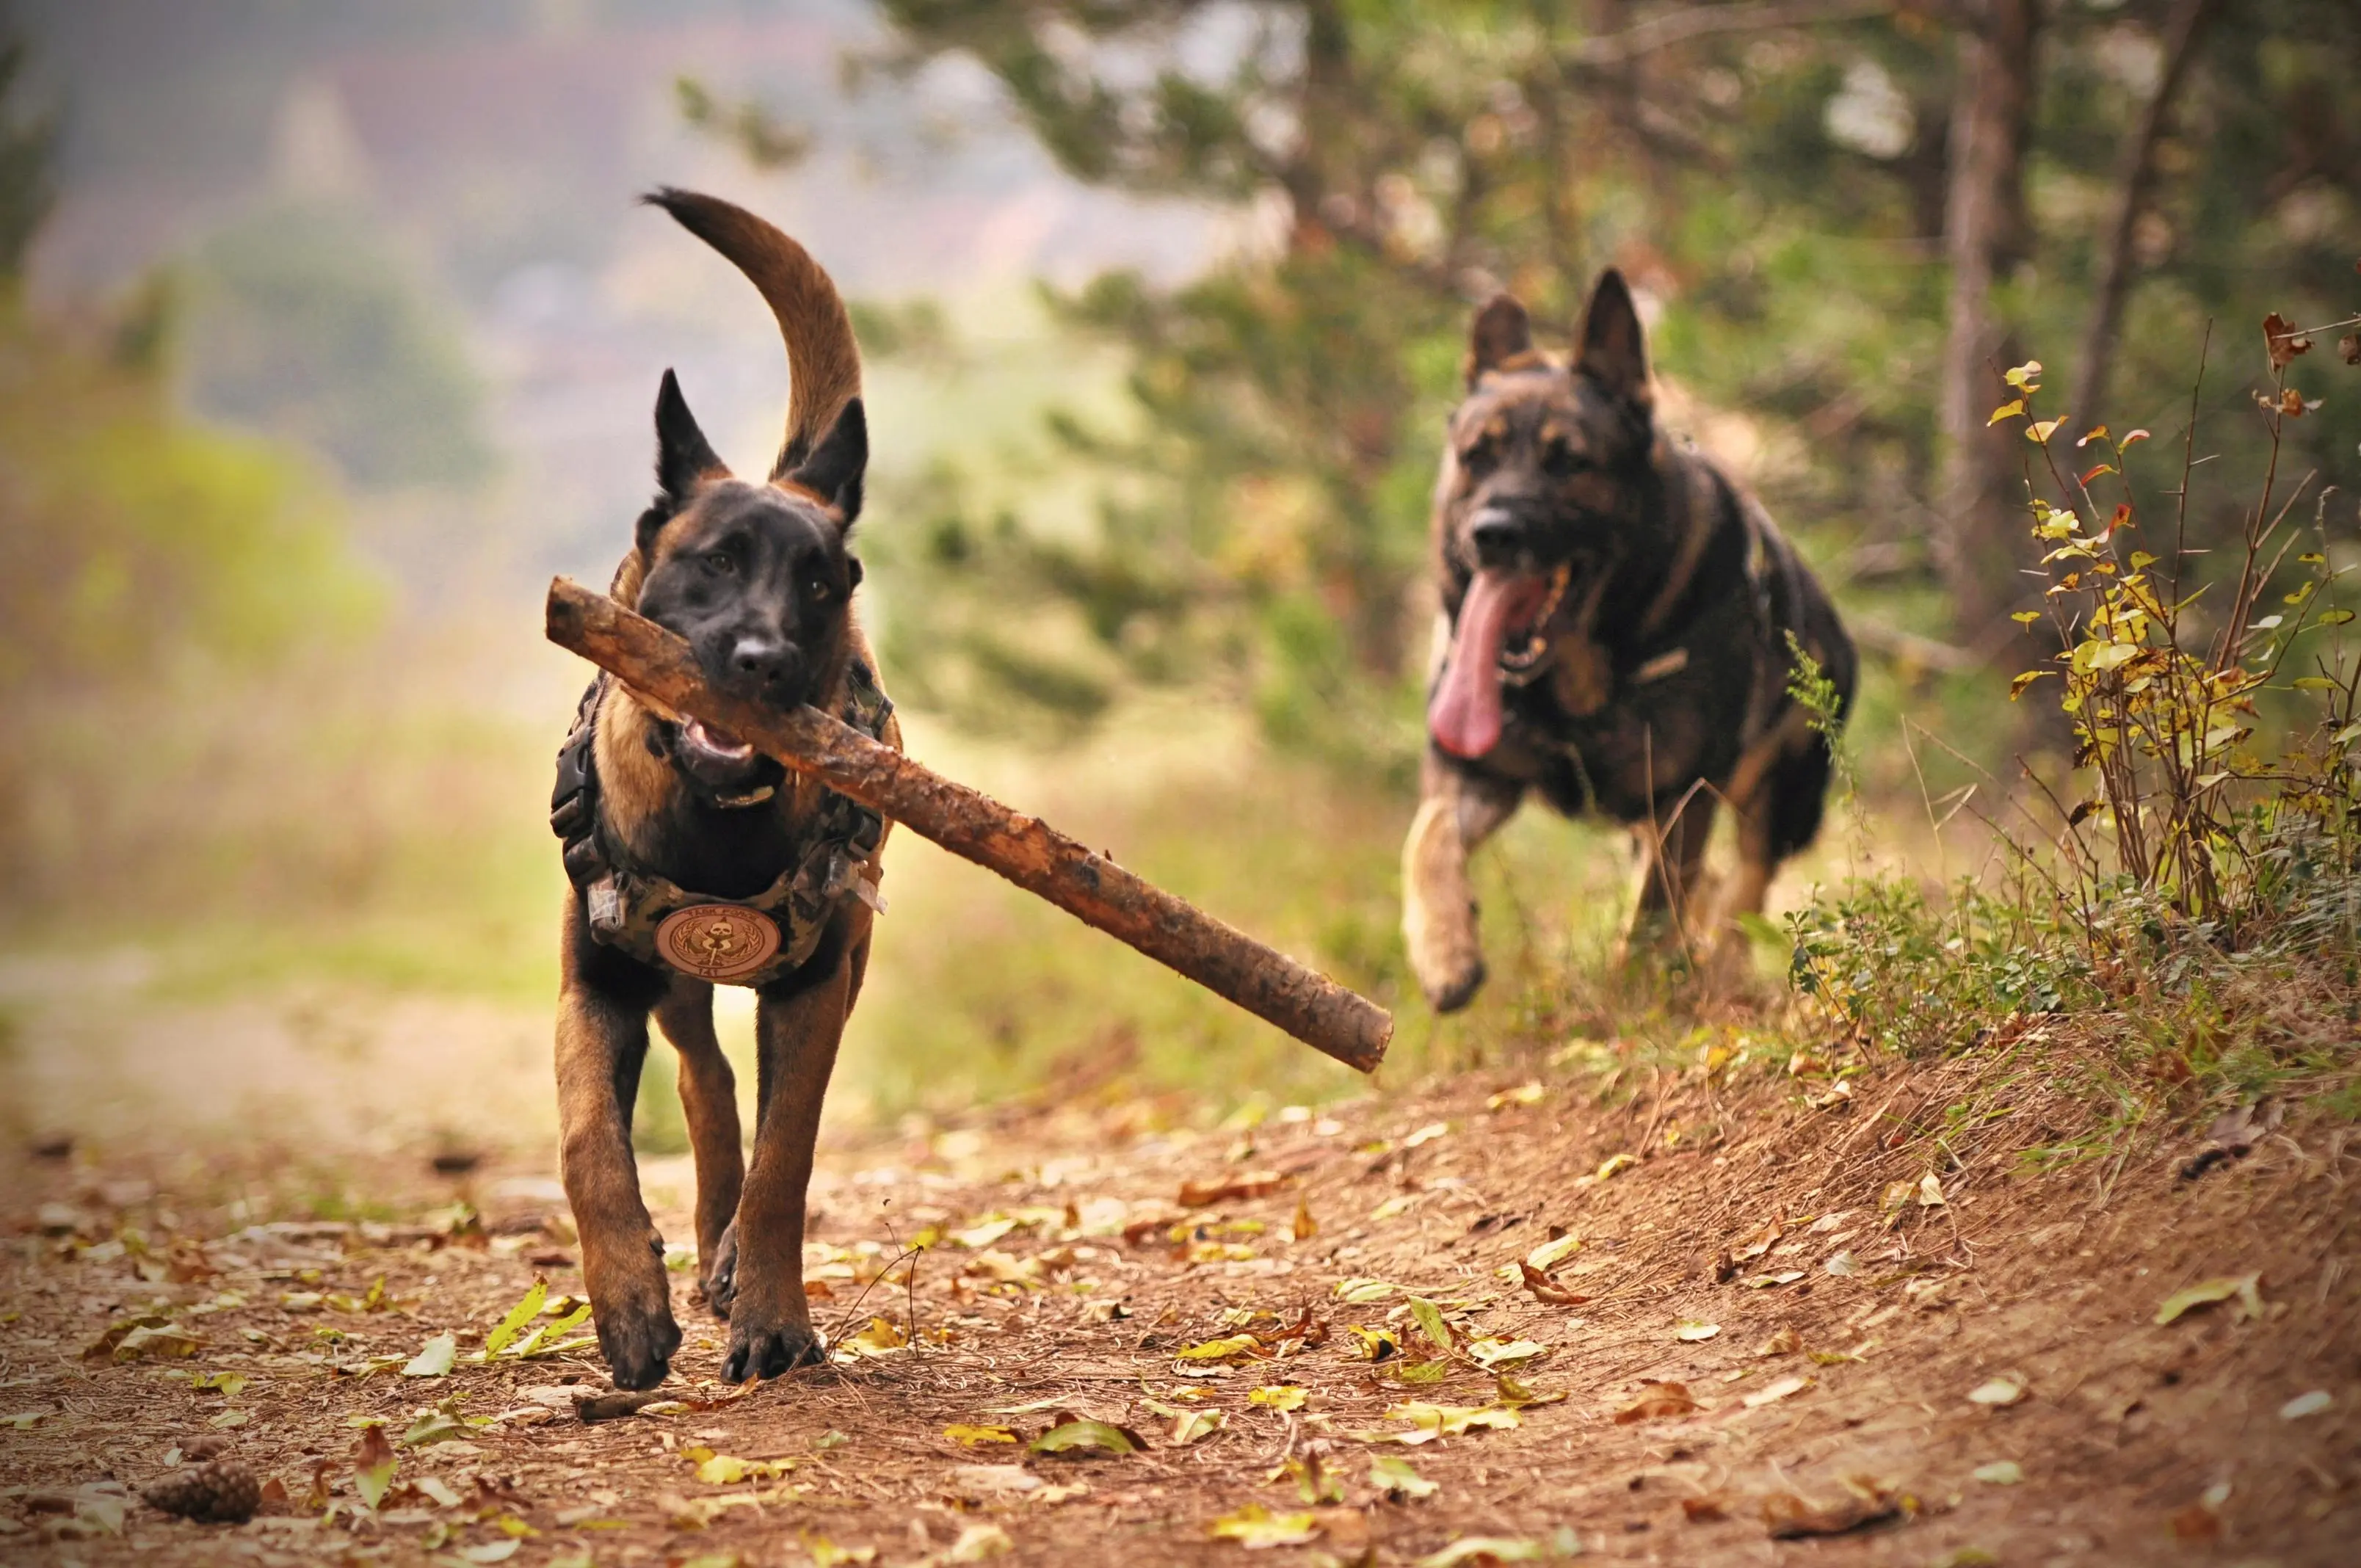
{"type": "Point", "coordinates": [2134, 178]}
{"type": "Point", "coordinates": [1984, 232]}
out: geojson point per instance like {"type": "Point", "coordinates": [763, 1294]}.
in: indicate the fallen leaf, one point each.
{"type": "Point", "coordinates": [1706, 1509]}
{"type": "Point", "coordinates": [826, 1553]}
{"type": "Point", "coordinates": [1791, 1517]}
{"type": "Point", "coordinates": [1547, 1292]}
{"type": "Point", "coordinates": [1228, 1349]}
{"type": "Point", "coordinates": [1314, 1482]}
{"type": "Point", "coordinates": [1523, 1094]}
{"type": "Point", "coordinates": [491, 1551]}
{"type": "Point", "coordinates": [1472, 1551]}
{"type": "Point", "coordinates": [527, 1308]}
{"type": "Point", "coordinates": [1303, 1227]}
{"type": "Point", "coordinates": [1393, 1475]}
{"type": "Point", "coordinates": [1280, 1397]}
{"type": "Point", "coordinates": [434, 1487]}
{"type": "Point", "coordinates": [1930, 1192]}
{"type": "Point", "coordinates": [1841, 1265]}
{"type": "Point", "coordinates": [2304, 1405]}
{"type": "Point", "coordinates": [882, 1337]}
{"type": "Point", "coordinates": [979, 1541]}
{"type": "Point", "coordinates": [1786, 1341]}
{"type": "Point", "coordinates": [1426, 1134]}
{"type": "Point", "coordinates": [1657, 1401]}
{"type": "Point", "coordinates": [977, 1237]}
{"type": "Point", "coordinates": [1549, 1254]}
{"type": "Point", "coordinates": [972, 1435]}
{"type": "Point", "coordinates": [165, 1342]}
{"type": "Point", "coordinates": [1205, 1193]}
{"type": "Point", "coordinates": [434, 1427]}
{"type": "Point", "coordinates": [1759, 1242]}
{"type": "Point", "coordinates": [374, 1467]}
{"type": "Point", "coordinates": [1491, 1353]}
{"type": "Point", "coordinates": [1616, 1164]}
{"type": "Point", "coordinates": [228, 1418]}
{"type": "Point", "coordinates": [1194, 1426]}
{"type": "Point", "coordinates": [728, 1469]}
{"type": "Point", "coordinates": [1362, 1292]}
{"type": "Point", "coordinates": [1256, 1528]}
{"type": "Point", "coordinates": [1771, 1393]}
{"type": "Point", "coordinates": [2000, 1472]}
{"type": "Point", "coordinates": [1086, 1437]}
{"type": "Point", "coordinates": [1689, 1331]}
{"type": "Point", "coordinates": [1433, 1371]}
{"type": "Point", "coordinates": [1998, 1392]}
{"type": "Point", "coordinates": [1429, 1317]}
{"type": "Point", "coordinates": [1431, 1422]}
{"type": "Point", "coordinates": [434, 1359]}
{"type": "Point", "coordinates": [2205, 1293]}
{"type": "Point", "coordinates": [1770, 1281]}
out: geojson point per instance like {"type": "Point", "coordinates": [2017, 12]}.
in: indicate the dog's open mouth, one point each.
{"type": "Point", "coordinates": [714, 756]}
{"type": "Point", "coordinates": [1464, 714]}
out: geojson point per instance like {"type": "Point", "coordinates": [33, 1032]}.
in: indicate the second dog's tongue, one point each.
{"type": "Point", "coordinates": [1464, 714]}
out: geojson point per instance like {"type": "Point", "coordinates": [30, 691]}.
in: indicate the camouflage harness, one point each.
{"type": "Point", "coordinates": [745, 941]}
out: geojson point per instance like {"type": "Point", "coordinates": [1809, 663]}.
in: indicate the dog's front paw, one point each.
{"type": "Point", "coordinates": [767, 1349]}
{"type": "Point", "coordinates": [720, 1281]}
{"type": "Point", "coordinates": [637, 1335]}
{"type": "Point", "coordinates": [1450, 993]}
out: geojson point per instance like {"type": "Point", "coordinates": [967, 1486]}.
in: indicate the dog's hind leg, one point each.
{"type": "Point", "coordinates": [709, 1100]}
{"type": "Point", "coordinates": [1671, 872]}
{"type": "Point", "coordinates": [602, 1040]}
{"type": "Point", "coordinates": [770, 1320]}
{"type": "Point", "coordinates": [1439, 914]}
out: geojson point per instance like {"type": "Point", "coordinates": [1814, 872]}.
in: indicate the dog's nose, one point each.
{"type": "Point", "coordinates": [1498, 537]}
{"type": "Point", "coordinates": [765, 662]}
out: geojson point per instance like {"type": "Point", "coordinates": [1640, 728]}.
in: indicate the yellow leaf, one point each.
{"type": "Point", "coordinates": [1616, 1163]}
{"type": "Point", "coordinates": [1221, 1349]}
{"type": "Point", "coordinates": [2207, 1292]}
{"type": "Point", "coordinates": [2026, 617]}
{"type": "Point", "coordinates": [1549, 1254]}
{"type": "Point", "coordinates": [2041, 431]}
{"type": "Point", "coordinates": [1255, 1526]}
{"type": "Point", "coordinates": [1280, 1396]}
{"type": "Point", "coordinates": [2021, 375]}
{"type": "Point", "coordinates": [2011, 409]}
{"type": "Point", "coordinates": [972, 1435]}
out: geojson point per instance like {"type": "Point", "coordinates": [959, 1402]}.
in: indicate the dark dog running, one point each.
{"type": "Point", "coordinates": [756, 575]}
{"type": "Point", "coordinates": [1616, 638]}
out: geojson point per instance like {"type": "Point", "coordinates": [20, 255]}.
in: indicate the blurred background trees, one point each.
{"type": "Point", "coordinates": [1846, 217]}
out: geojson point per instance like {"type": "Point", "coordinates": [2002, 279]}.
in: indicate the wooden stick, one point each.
{"type": "Point", "coordinates": [658, 665]}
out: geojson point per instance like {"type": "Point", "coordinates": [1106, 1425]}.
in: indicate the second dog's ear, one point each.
{"type": "Point", "coordinates": [834, 469]}
{"type": "Point", "coordinates": [1614, 351]}
{"type": "Point", "coordinates": [1502, 331]}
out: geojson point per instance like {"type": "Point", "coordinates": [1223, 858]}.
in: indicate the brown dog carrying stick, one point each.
{"type": "Point", "coordinates": [757, 579]}
{"type": "Point", "coordinates": [743, 634]}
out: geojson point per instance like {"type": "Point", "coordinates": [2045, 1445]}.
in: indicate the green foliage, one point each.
{"type": "Point", "coordinates": [2198, 905]}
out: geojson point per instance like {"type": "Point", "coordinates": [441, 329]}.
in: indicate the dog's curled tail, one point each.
{"type": "Point", "coordinates": [823, 360]}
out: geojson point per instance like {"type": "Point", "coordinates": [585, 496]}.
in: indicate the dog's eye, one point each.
{"type": "Point", "coordinates": [1481, 457]}
{"type": "Point", "coordinates": [1559, 458]}
{"type": "Point", "coordinates": [818, 590]}
{"type": "Point", "coordinates": [720, 562]}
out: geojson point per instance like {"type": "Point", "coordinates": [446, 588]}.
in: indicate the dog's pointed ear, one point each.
{"type": "Point", "coordinates": [1614, 352]}
{"type": "Point", "coordinates": [834, 469]}
{"type": "Point", "coordinates": [682, 454]}
{"type": "Point", "coordinates": [684, 459]}
{"type": "Point", "coordinates": [1502, 331]}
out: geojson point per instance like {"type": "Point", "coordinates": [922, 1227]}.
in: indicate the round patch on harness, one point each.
{"type": "Point", "coordinates": [718, 941]}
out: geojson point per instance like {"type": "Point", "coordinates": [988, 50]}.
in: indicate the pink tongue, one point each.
{"type": "Point", "coordinates": [1464, 716]}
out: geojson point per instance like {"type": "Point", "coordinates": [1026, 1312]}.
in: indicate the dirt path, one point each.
{"type": "Point", "coordinates": [1667, 1417]}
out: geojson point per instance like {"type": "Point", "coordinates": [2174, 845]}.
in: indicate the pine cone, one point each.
{"type": "Point", "coordinates": [220, 1491]}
